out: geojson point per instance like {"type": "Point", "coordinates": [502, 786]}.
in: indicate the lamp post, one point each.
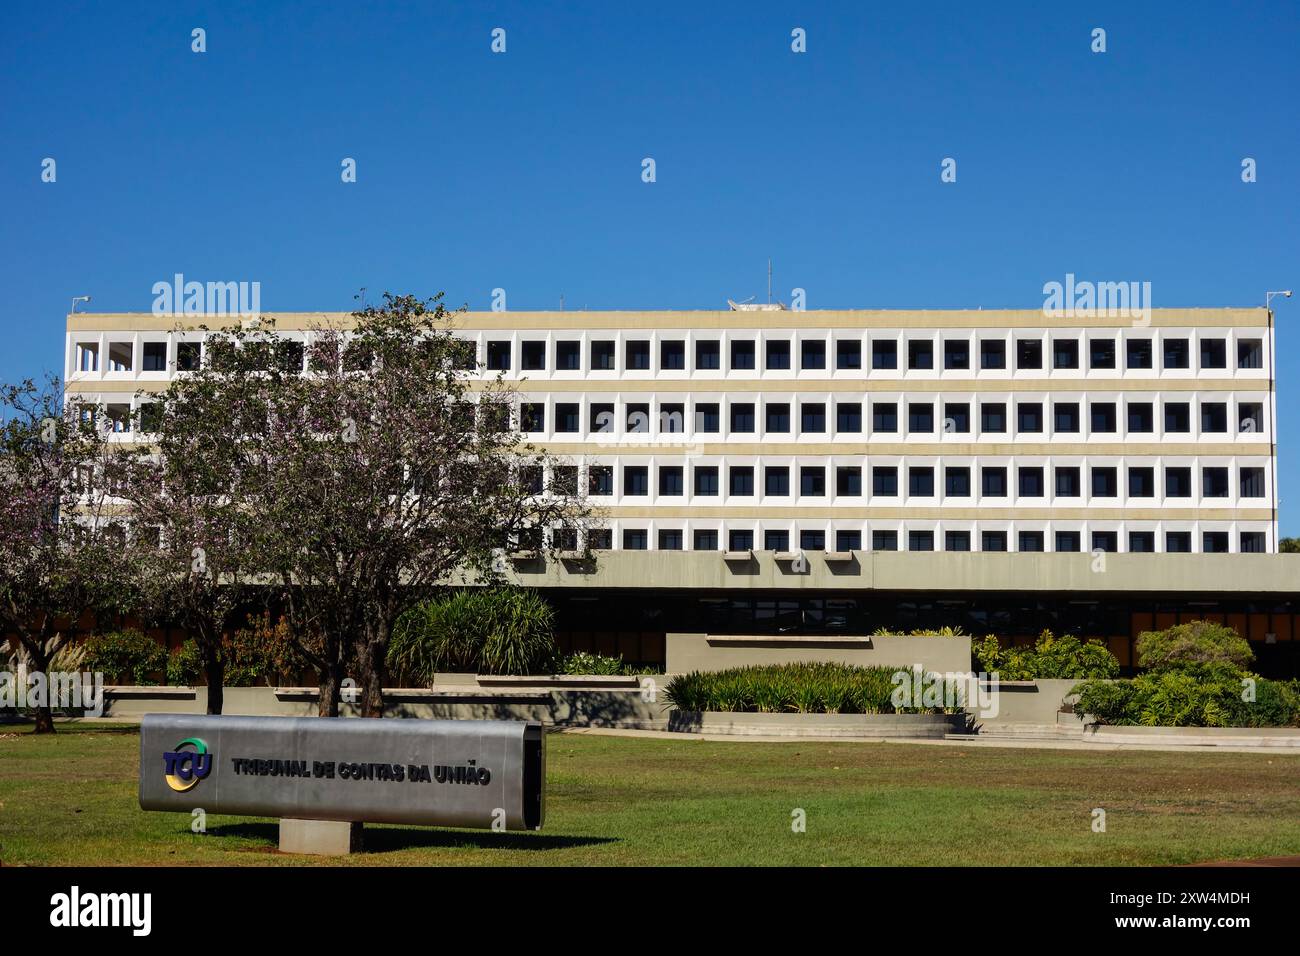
{"type": "Point", "coordinates": [1272, 407]}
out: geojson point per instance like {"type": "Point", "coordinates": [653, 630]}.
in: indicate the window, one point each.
{"type": "Point", "coordinates": [88, 356]}
{"type": "Point", "coordinates": [993, 354]}
{"type": "Point", "coordinates": [1214, 416]}
{"type": "Point", "coordinates": [884, 481]}
{"type": "Point", "coordinates": [1253, 542]}
{"type": "Point", "coordinates": [1138, 353]}
{"type": "Point", "coordinates": [956, 417]}
{"type": "Point", "coordinates": [706, 480]}
{"type": "Point", "coordinates": [498, 356]}
{"type": "Point", "coordinates": [706, 418]}
{"type": "Point", "coordinates": [602, 416]}
{"type": "Point", "coordinates": [600, 539]}
{"type": "Point", "coordinates": [672, 417]}
{"type": "Point", "coordinates": [532, 356]}
{"type": "Point", "coordinates": [150, 417]}
{"type": "Point", "coordinates": [1067, 482]}
{"type": "Point", "coordinates": [920, 481]}
{"type": "Point", "coordinates": [638, 417]}
{"type": "Point", "coordinates": [1142, 542]}
{"type": "Point", "coordinates": [778, 417]}
{"type": "Point", "coordinates": [1252, 482]}
{"type": "Point", "coordinates": [568, 417]}
{"type": "Point", "coordinates": [1065, 417]}
{"type": "Point", "coordinates": [1101, 353]}
{"type": "Point", "coordinates": [956, 483]}
{"type": "Point", "coordinates": [920, 541]}
{"type": "Point", "coordinates": [740, 540]}
{"type": "Point", "coordinates": [672, 355]}
{"type": "Point", "coordinates": [1214, 353]}
{"type": "Point", "coordinates": [636, 539]}
{"type": "Point", "coordinates": [1067, 541]}
{"type": "Point", "coordinates": [636, 480]}
{"type": "Point", "coordinates": [956, 541]}
{"type": "Point", "coordinates": [848, 417]}
{"type": "Point", "coordinates": [1105, 482]}
{"type": "Point", "coordinates": [812, 417]}
{"type": "Point", "coordinates": [884, 417]}
{"type": "Point", "coordinates": [993, 417]}
{"type": "Point", "coordinates": [1214, 482]}
{"type": "Point", "coordinates": [1177, 353]}
{"type": "Point", "coordinates": [884, 541]}
{"type": "Point", "coordinates": [742, 417]}
{"type": "Point", "coordinates": [1141, 482]}
{"type": "Point", "coordinates": [884, 354]}
{"type": "Point", "coordinates": [705, 540]}
{"type": "Point", "coordinates": [530, 479]}
{"type": "Point", "coordinates": [742, 354]}
{"type": "Point", "coordinates": [600, 479]}
{"type": "Point", "coordinates": [119, 356]}
{"type": "Point", "coordinates": [1065, 353]}
{"type": "Point", "coordinates": [956, 355]}
{"type": "Point", "coordinates": [1031, 541]}
{"type": "Point", "coordinates": [848, 354]}
{"type": "Point", "coordinates": [670, 480]}
{"type": "Point", "coordinates": [708, 354]}
{"type": "Point", "coordinates": [740, 479]}
{"type": "Point", "coordinates": [1178, 482]}
{"type": "Point", "coordinates": [776, 480]}
{"type": "Point", "coordinates": [920, 354]}
{"type": "Point", "coordinates": [1250, 417]}
{"type": "Point", "coordinates": [1141, 417]}
{"type": "Point", "coordinates": [1250, 353]}
{"type": "Point", "coordinates": [670, 539]}
{"type": "Point", "coordinates": [1031, 482]}
{"type": "Point", "coordinates": [568, 356]}
{"type": "Point", "coordinates": [994, 481]}
{"type": "Point", "coordinates": [602, 356]}
{"type": "Point", "coordinates": [848, 540]}
{"type": "Point", "coordinates": [1178, 542]}
{"type": "Point", "coordinates": [812, 481]}
{"type": "Point", "coordinates": [1029, 417]}
{"type": "Point", "coordinates": [993, 541]}
{"type": "Point", "coordinates": [564, 480]}
{"type": "Point", "coordinates": [848, 480]}
{"type": "Point", "coordinates": [1214, 542]}
{"type": "Point", "coordinates": [1103, 417]}
{"type": "Point", "coordinates": [920, 417]}
{"type": "Point", "coordinates": [777, 354]}
{"type": "Point", "coordinates": [189, 356]}
{"type": "Point", "coordinates": [532, 417]}
{"type": "Point", "coordinates": [1105, 541]}
{"type": "Point", "coordinates": [638, 355]}
{"type": "Point", "coordinates": [155, 357]}
{"type": "Point", "coordinates": [812, 354]}
{"type": "Point", "coordinates": [1178, 417]}
{"type": "Point", "coordinates": [812, 540]}
{"type": "Point", "coordinates": [1029, 353]}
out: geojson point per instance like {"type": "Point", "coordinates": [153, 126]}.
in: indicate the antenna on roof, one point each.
{"type": "Point", "coordinates": [769, 280]}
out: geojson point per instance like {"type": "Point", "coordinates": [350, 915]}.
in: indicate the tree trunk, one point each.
{"type": "Point", "coordinates": [44, 714]}
{"type": "Point", "coordinates": [214, 669]}
{"type": "Point", "coordinates": [374, 668]}
{"type": "Point", "coordinates": [330, 679]}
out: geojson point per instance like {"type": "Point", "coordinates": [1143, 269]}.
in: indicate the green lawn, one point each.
{"type": "Point", "coordinates": [71, 799]}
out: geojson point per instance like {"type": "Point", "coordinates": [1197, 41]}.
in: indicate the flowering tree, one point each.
{"type": "Point", "coordinates": [61, 543]}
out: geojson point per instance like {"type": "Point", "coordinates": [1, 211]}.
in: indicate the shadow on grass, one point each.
{"type": "Point", "coordinates": [388, 839]}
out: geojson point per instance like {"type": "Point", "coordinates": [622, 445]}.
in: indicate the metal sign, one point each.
{"type": "Point", "coordinates": [487, 774]}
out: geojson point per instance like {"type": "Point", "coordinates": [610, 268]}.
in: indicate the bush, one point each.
{"type": "Point", "coordinates": [1051, 657]}
{"type": "Point", "coordinates": [1203, 645]}
{"type": "Point", "coordinates": [185, 665]}
{"type": "Point", "coordinates": [922, 632]}
{"type": "Point", "coordinates": [479, 630]}
{"type": "Point", "coordinates": [261, 654]}
{"type": "Point", "coordinates": [1174, 698]}
{"type": "Point", "coordinates": [583, 662]}
{"type": "Point", "coordinates": [126, 657]}
{"type": "Point", "coordinates": [809, 688]}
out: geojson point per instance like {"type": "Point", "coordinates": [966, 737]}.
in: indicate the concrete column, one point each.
{"type": "Point", "coordinates": [320, 837]}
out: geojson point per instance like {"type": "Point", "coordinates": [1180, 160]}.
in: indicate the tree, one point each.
{"type": "Point", "coordinates": [61, 540]}
{"type": "Point", "coordinates": [1289, 546]}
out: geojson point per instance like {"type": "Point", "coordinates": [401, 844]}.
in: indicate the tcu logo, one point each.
{"type": "Point", "coordinates": [184, 768]}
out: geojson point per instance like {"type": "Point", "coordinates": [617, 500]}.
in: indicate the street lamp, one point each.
{"type": "Point", "coordinates": [86, 298]}
{"type": "Point", "coordinates": [1272, 404]}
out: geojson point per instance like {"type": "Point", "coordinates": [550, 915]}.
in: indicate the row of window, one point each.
{"type": "Point", "coordinates": [668, 539]}
{"type": "Point", "coordinates": [955, 354]}
{"type": "Point", "coordinates": [919, 481]}
{"type": "Point", "coordinates": [1067, 417]}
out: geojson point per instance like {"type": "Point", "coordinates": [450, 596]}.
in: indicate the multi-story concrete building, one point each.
{"type": "Point", "coordinates": [799, 477]}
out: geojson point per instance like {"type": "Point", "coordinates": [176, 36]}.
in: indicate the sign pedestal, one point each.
{"type": "Point", "coordinates": [319, 837]}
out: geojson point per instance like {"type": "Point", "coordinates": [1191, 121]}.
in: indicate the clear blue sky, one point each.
{"type": "Point", "coordinates": [523, 170]}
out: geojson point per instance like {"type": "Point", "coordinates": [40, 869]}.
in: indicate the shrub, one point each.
{"type": "Point", "coordinates": [583, 662]}
{"type": "Point", "coordinates": [1051, 657]}
{"type": "Point", "coordinates": [807, 688]}
{"type": "Point", "coordinates": [1174, 698]}
{"type": "Point", "coordinates": [482, 630]}
{"type": "Point", "coordinates": [922, 632]}
{"type": "Point", "coordinates": [1197, 644]}
{"type": "Point", "coordinates": [185, 665]}
{"type": "Point", "coordinates": [261, 654]}
{"type": "Point", "coordinates": [126, 657]}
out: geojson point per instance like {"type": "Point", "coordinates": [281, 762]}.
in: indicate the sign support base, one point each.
{"type": "Point", "coordinates": [320, 837]}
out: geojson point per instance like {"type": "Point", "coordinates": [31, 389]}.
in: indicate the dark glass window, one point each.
{"type": "Point", "coordinates": [956, 541]}
{"type": "Point", "coordinates": [568, 356]}
{"type": "Point", "coordinates": [1252, 482]}
{"type": "Point", "coordinates": [1141, 482]}
{"type": "Point", "coordinates": [1029, 417]}
{"type": "Point", "coordinates": [741, 479]}
{"type": "Point", "coordinates": [884, 480]}
{"type": "Point", "coordinates": [1250, 353]}
{"type": "Point", "coordinates": [848, 417]}
{"type": "Point", "coordinates": [993, 354]}
{"type": "Point", "coordinates": [920, 354]}
{"type": "Point", "coordinates": [812, 481]}
{"type": "Point", "coordinates": [1065, 417]}
{"type": "Point", "coordinates": [706, 480]}
{"type": "Point", "coordinates": [1139, 353]}
{"type": "Point", "coordinates": [600, 480]}
{"type": "Point", "coordinates": [1103, 417]}
{"type": "Point", "coordinates": [742, 354]}
{"type": "Point", "coordinates": [1214, 482]}
{"type": "Point", "coordinates": [672, 355]}
{"type": "Point", "coordinates": [778, 354]}
{"type": "Point", "coordinates": [1031, 541]}
{"type": "Point", "coordinates": [602, 356]}
{"type": "Point", "coordinates": [956, 354]}
{"type": "Point", "coordinates": [1029, 353]}
{"type": "Point", "coordinates": [812, 417]}
{"type": "Point", "coordinates": [884, 354]}
{"type": "Point", "coordinates": [1105, 482]}
{"type": "Point", "coordinates": [670, 539]}
{"type": "Point", "coordinates": [812, 354]}
{"type": "Point", "coordinates": [920, 417]}
{"type": "Point", "coordinates": [848, 354]}
{"type": "Point", "coordinates": [920, 481]}
{"type": "Point", "coordinates": [848, 480]}
{"type": "Point", "coordinates": [1065, 353]}
{"type": "Point", "coordinates": [670, 480]}
{"type": "Point", "coordinates": [742, 417]}
{"type": "Point", "coordinates": [776, 540]}
{"type": "Point", "coordinates": [498, 356]}
{"type": "Point", "coordinates": [1214, 353]}
{"type": "Point", "coordinates": [1214, 416]}
{"type": "Point", "coordinates": [1105, 541]}
{"type": "Point", "coordinates": [638, 355]}
{"type": "Point", "coordinates": [993, 541]}
{"type": "Point", "coordinates": [1178, 482]}
{"type": "Point", "coordinates": [848, 540]}
{"type": "Point", "coordinates": [1214, 542]}
{"type": "Point", "coordinates": [994, 480]}
{"type": "Point", "coordinates": [993, 417]}
{"type": "Point", "coordinates": [705, 539]}
{"type": "Point", "coordinates": [707, 419]}
{"type": "Point", "coordinates": [1067, 541]}
{"type": "Point", "coordinates": [1031, 482]}
{"type": "Point", "coordinates": [636, 539]}
{"type": "Point", "coordinates": [1177, 353]}
{"type": "Point", "coordinates": [884, 417]}
{"type": "Point", "coordinates": [708, 354]}
{"type": "Point", "coordinates": [636, 480]}
{"type": "Point", "coordinates": [1142, 542]}
{"type": "Point", "coordinates": [956, 482]}
{"type": "Point", "coordinates": [1101, 353]}
{"type": "Point", "coordinates": [778, 417]}
{"type": "Point", "coordinates": [1178, 542]}
{"type": "Point", "coordinates": [776, 480]}
{"type": "Point", "coordinates": [920, 541]}
{"type": "Point", "coordinates": [1178, 417]}
{"type": "Point", "coordinates": [884, 541]}
{"type": "Point", "coordinates": [568, 417]}
{"type": "Point", "coordinates": [1067, 482]}
{"type": "Point", "coordinates": [1141, 417]}
{"type": "Point", "coordinates": [532, 356]}
{"type": "Point", "coordinates": [956, 417]}
{"type": "Point", "coordinates": [740, 540]}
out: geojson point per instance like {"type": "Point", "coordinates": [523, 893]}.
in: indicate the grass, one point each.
{"type": "Point", "coordinates": [71, 799]}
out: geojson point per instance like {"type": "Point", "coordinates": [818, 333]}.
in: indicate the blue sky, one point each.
{"type": "Point", "coordinates": [522, 170]}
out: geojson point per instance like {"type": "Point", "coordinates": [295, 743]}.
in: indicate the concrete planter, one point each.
{"type": "Point", "coordinates": [715, 652]}
{"type": "Point", "coordinates": [849, 726]}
